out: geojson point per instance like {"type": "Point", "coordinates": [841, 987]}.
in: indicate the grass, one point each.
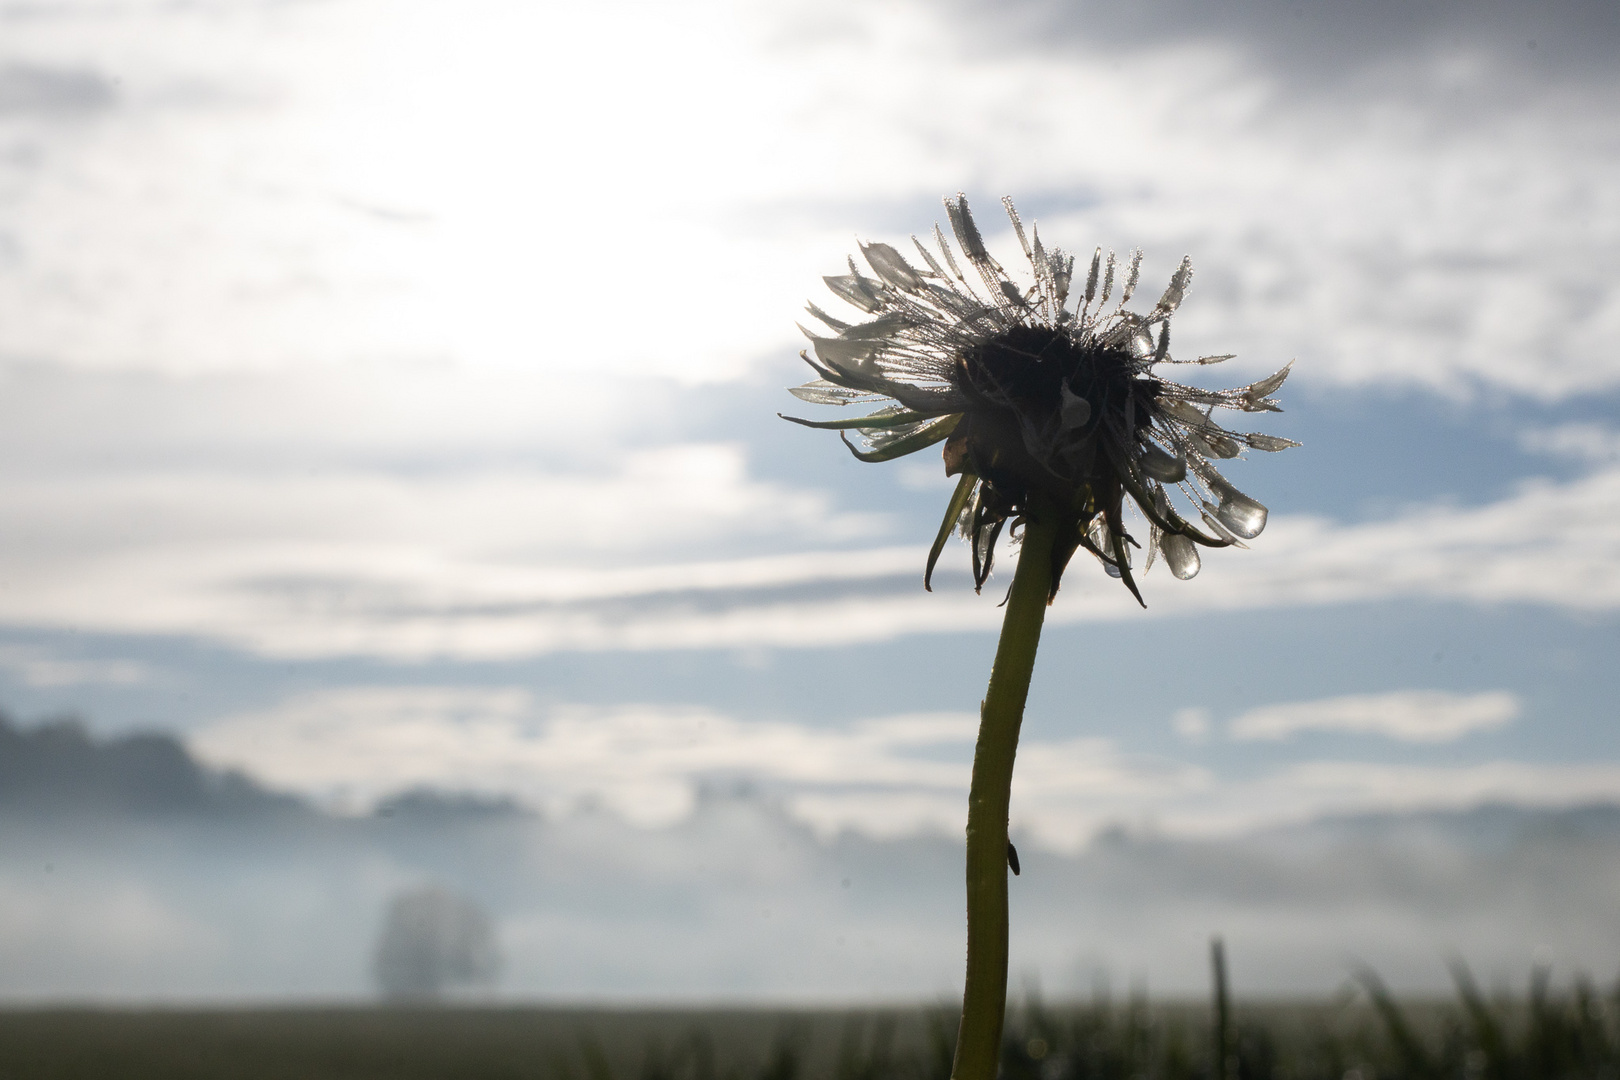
{"type": "Point", "coordinates": [1547, 1034]}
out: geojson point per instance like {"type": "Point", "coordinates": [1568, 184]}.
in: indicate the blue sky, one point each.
{"type": "Point", "coordinates": [387, 396]}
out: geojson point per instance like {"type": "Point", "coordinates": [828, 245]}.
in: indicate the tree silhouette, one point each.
{"type": "Point", "coordinates": [433, 939]}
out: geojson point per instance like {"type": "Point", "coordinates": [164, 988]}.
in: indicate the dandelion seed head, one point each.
{"type": "Point", "coordinates": [1045, 410]}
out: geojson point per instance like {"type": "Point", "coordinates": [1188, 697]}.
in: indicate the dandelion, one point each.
{"type": "Point", "coordinates": [1051, 412]}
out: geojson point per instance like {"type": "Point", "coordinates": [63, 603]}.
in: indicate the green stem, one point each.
{"type": "Point", "coordinates": [984, 1000]}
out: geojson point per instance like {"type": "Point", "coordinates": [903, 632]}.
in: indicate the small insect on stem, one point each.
{"type": "Point", "coordinates": [1012, 858]}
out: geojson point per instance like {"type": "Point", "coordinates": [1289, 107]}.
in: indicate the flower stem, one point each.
{"type": "Point", "coordinates": [984, 1000]}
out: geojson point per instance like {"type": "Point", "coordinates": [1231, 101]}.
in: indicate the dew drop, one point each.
{"type": "Point", "coordinates": [1241, 514]}
{"type": "Point", "coordinates": [1076, 409]}
{"type": "Point", "coordinates": [1098, 531]}
{"type": "Point", "coordinates": [1162, 466]}
{"type": "Point", "coordinates": [1180, 554]}
{"type": "Point", "coordinates": [1270, 443]}
{"type": "Point", "coordinates": [1183, 411]}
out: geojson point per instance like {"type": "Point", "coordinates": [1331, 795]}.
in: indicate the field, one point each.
{"type": "Point", "coordinates": [1366, 1036]}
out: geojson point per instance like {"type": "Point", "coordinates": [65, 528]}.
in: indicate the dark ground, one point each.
{"type": "Point", "coordinates": [1362, 1036]}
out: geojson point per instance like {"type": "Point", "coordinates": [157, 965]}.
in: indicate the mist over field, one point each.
{"type": "Point", "coordinates": [130, 875]}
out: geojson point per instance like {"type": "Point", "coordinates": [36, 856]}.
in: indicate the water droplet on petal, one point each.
{"type": "Point", "coordinates": [1184, 411]}
{"type": "Point", "coordinates": [1220, 530]}
{"type": "Point", "coordinates": [1099, 534]}
{"type": "Point", "coordinates": [1270, 442]}
{"type": "Point", "coordinates": [1076, 409]}
{"type": "Point", "coordinates": [1162, 466]}
{"type": "Point", "coordinates": [1241, 514]}
{"type": "Point", "coordinates": [1180, 554]}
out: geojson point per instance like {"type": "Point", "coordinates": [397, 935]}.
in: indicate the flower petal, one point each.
{"type": "Point", "coordinates": [822, 316]}
{"type": "Point", "coordinates": [928, 257]}
{"type": "Point", "coordinates": [1178, 288]}
{"type": "Point", "coordinates": [892, 267]}
{"type": "Point", "coordinates": [822, 392]}
{"type": "Point", "coordinates": [877, 330]}
{"type": "Point", "coordinates": [845, 355]}
{"type": "Point", "coordinates": [953, 513]}
{"type": "Point", "coordinates": [1269, 385]}
{"type": "Point", "coordinates": [1133, 277]}
{"type": "Point", "coordinates": [894, 416]}
{"type": "Point", "coordinates": [1162, 466]}
{"type": "Point", "coordinates": [967, 232]}
{"type": "Point", "coordinates": [945, 250]}
{"type": "Point", "coordinates": [1018, 227]}
{"type": "Point", "coordinates": [854, 289]}
{"type": "Point", "coordinates": [1181, 410]}
{"type": "Point", "coordinates": [929, 433]}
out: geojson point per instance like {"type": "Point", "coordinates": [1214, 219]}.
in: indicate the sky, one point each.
{"type": "Point", "coordinates": [388, 394]}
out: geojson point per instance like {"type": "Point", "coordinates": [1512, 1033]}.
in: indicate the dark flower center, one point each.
{"type": "Point", "coordinates": [1025, 367]}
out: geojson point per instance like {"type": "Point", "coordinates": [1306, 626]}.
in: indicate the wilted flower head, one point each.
{"type": "Point", "coordinates": [1045, 410]}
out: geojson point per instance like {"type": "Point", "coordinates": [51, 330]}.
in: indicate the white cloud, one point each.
{"type": "Point", "coordinates": [350, 181]}
{"type": "Point", "coordinates": [516, 563]}
{"type": "Point", "coordinates": [1417, 716]}
{"type": "Point", "coordinates": [38, 667]}
{"type": "Point", "coordinates": [1597, 443]}
{"type": "Point", "coordinates": [326, 210]}
{"type": "Point", "coordinates": [884, 777]}
{"type": "Point", "coordinates": [1192, 724]}
{"type": "Point", "coordinates": [643, 761]}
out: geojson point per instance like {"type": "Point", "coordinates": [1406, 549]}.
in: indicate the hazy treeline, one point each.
{"type": "Point", "coordinates": [131, 873]}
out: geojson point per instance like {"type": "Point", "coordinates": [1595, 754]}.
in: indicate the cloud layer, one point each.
{"type": "Point", "coordinates": [527, 562]}
{"type": "Point", "coordinates": [888, 776]}
{"type": "Point", "coordinates": [1411, 716]}
{"type": "Point", "coordinates": [1439, 214]}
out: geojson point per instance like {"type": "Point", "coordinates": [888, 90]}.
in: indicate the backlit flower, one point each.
{"type": "Point", "coordinates": [1044, 408]}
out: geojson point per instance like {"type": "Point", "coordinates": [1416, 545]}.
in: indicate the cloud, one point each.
{"type": "Point", "coordinates": [514, 563]}
{"type": "Point", "coordinates": [38, 667]}
{"type": "Point", "coordinates": [1306, 46]}
{"type": "Point", "coordinates": [28, 89]}
{"type": "Point", "coordinates": [1596, 443]}
{"type": "Point", "coordinates": [884, 777]}
{"type": "Point", "coordinates": [358, 475]}
{"type": "Point", "coordinates": [645, 762]}
{"type": "Point", "coordinates": [1412, 226]}
{"type": "Point", "coordinates": [1417, 716]}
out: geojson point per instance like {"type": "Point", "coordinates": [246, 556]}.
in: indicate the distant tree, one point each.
{"type": "Point", "coordinates": [59, 770]}
{"type": "Point", "coordinates": [431, 940]}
